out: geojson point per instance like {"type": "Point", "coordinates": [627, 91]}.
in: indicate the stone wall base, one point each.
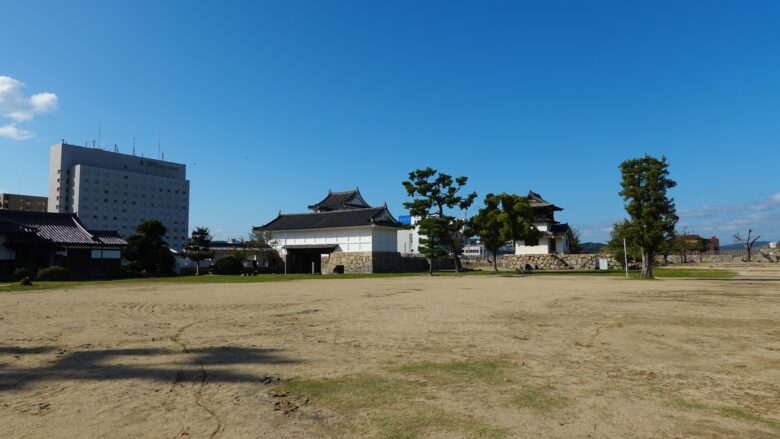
{"type": "Point", "coordinates": [377, 262]}
{"type": "Point", "coordinates": [580, 262]}
{"type": "Point", "coordinates": [757, 256]}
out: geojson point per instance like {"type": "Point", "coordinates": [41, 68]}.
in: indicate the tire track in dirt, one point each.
{"type": "Point", "coordinates": [176, 338]}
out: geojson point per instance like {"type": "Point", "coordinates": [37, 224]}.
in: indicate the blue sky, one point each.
{"type": "Point", "coordinates": [272, 104]}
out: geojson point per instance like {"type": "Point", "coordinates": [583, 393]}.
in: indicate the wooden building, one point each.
{"type": "Point", "coordinates": [343, 232]}
{"type": "Point", "coordinates": [554, 235]}
{"type": "Point", "coordinates": [35, 240]}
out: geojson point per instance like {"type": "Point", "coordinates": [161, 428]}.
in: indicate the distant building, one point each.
{"type": "Point", "coordinates": [475, 249]}
{"type": "Point", "coordinates": [23, 202]}
{"type": "Point", "coordinates": [409, 238]}
{"type": "Point", "coordinates": [35, 240]}
{"type": "Point", "coordinates": [697, 244]}
{"type": "Point", "coordinates": [341, 231]}
{"type": "Point", "coordinates": [113, 191]}
{"type": "Point", "coordinates": [714, 245]}
{"type": "Point", "coordinates": [554, 237]}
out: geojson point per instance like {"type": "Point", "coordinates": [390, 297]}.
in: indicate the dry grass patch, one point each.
{"type": "Point", "coordinates": [490, 371]}
{"type": "Point", "coordinates": [426, 422]}
{"type": "Point", "coordinates": [726, 412]}
{"type": "Point", "coordinates": [539, 398]}
{"type": "Point", "coordinates": [387, 404]}
{"type": "Point", "coordinates": [352, 393]}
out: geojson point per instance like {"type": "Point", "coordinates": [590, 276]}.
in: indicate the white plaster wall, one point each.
{"type": "Point", "coordinates": [542, 249]}
{"type": "Point", "coordinates": [384, 239]}
{"type": "Point", "coordinates": [561, 246]}
{"type": "Point", "coordinates": [405, 241]}
{"type": "Point", "coordinates": [409, 241]}
{"type": "Point", "coordinates": [542, 227]}
{"type": "Point", "coordinates": [348, 239]}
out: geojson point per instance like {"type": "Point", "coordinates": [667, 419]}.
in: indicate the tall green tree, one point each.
{"type": "Point", "coordinates": [198, 247]}
{"type": "Point", "coordinates": [573, 235]}
{"type": "Point", "coordinates": [505, 217]}
{"type": "Point", "coordinates": [146, 251]}
{"type": "Point", "coordinates": [652, 213]}
{"type": "Point", "coordinates": [620, 231]}
{"type": "Point", "coordinates": [259, 243]}
{"type": "Point", "coordinates": [434, 195]}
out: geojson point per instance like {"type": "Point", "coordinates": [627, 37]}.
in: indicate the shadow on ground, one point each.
{"type": "Point", "coordinates": [196, 365]}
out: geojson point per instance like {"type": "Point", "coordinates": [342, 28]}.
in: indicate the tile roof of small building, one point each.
{"type": "Point", "coordinates": [557, 229]}
{"type": "Point", "coordinates": [57, 228]}
{"type": "Point", "coordinates": [379, 216]}
{"type": "Point", "coordinates": [340, 201]}
{"type": "Point", "coordinates": [536, 201]}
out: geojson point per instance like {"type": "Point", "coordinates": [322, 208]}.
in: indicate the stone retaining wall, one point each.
{"type": "Point", "coordinates": [760, 255]}
{"type": "Point", "coordinates": [378, 262]}
{"type": "Point", "coordinates": [581, 262]}
{"type": "Point", "coordinates": [714, 259]}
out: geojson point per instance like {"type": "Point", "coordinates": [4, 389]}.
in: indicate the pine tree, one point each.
{"type": "Point", "coordinates": [652, 214]}
{"type": "Point", "coordinates": [434, 195]}
{"type": "Point", "coordinates": [147, 252]}
{"type": "Point", "coordinates": [505, 217]}
{"type": "Point", "coordinates": [198, 247]}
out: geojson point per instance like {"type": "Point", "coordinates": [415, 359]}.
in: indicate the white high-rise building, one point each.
{"type": "Point", "coordinates": [113, 191]}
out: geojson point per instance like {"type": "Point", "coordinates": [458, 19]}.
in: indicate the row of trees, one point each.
{"type": "Point", "coordinates": [676, 243]}
{"type": "Point", "coordinates": [509, 217]}
{"type": "Point", "coordinates": [648, 231]}
{"type": "Point", "coordinates": [436, 195]}
{"type": "Point", "coordinates": [147, 252]}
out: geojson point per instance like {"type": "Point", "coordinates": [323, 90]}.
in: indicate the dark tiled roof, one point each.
{"type": "Point", "coordinates": [57, 228]}
{"type": "Point", "coordinates": [559, 228]}
{"type": "Point", "coordinates": [108, 237]}
{"type": "Point", "coordinates": [12, 227]}
{"type": "Point", "coordinates": [340, 218]}
{"type": "Point", "coordinates": [536, 201]}
{"type": "Point", "coordinates": [340, 201]}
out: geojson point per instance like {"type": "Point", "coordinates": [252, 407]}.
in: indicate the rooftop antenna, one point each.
{"type": "Point", "coordinates": [116, 148]}
{"type": "Point", "coordinates": [158, 147]}
{"type": "Point", "coordinates": [99, 128]}
{"type": "Point", "coordinates": [133, 146]}
{"type": "Point", "coordinates": [93, 143]}
{"type": "Point", "coordinates": [163, 156]}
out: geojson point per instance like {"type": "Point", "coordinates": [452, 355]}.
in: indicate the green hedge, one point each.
{"type": "Point", "coordinates": [21, 273]}
{"type": "Point", "coordinates": [54, 273]}
{"type": "Point", "coordinates": [229, 265]}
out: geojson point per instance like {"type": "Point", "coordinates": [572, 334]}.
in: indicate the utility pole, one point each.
{"type": "Point", "coordinates": [625, 256]}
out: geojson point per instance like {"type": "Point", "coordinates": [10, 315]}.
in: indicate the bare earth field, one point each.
{"type": "Point", "coordinates": [474, 356]}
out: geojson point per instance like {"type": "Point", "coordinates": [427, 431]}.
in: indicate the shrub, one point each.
{"type": "Point", "coordinates": [21, 273]}
{"type": "Point", "coordinates": [54, 273]}
{"type": "Point", "coordinates": [186, 271]}
{"type": "Point", "coordinates": [229, 265]}
{"type": "Point", "coordinates": [120, 273]}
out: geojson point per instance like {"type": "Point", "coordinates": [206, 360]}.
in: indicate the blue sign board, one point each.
{"type": "Point", "coordinates": [405, 219]}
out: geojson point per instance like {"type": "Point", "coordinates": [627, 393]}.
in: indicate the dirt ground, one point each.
{"type": "Point", "coordinates": [475, 356]}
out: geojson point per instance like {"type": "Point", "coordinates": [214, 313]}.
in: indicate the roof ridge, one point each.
{"type": "Point", "coordinates": [81, 226]}
{"type": "Point", "coordinates": [357, 209]}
